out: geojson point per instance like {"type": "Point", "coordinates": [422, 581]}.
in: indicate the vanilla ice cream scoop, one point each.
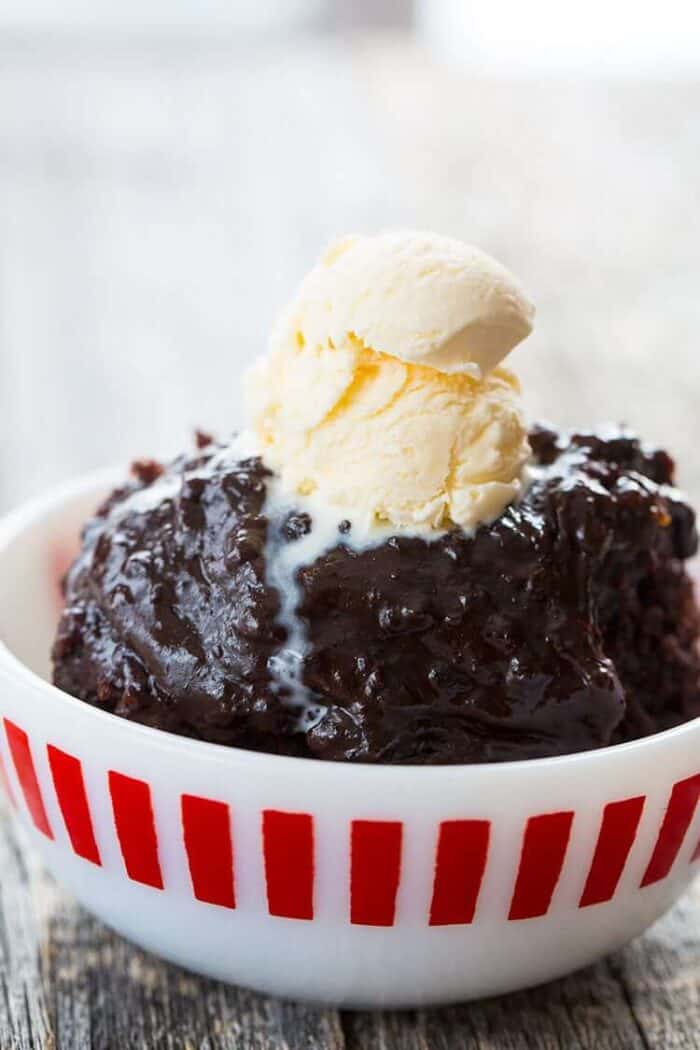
{"type": "Point", "coordinates": [425, 299]}
{"type": "Point", "coordinates": [381, 394]}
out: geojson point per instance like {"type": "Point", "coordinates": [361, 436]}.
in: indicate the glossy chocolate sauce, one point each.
{"type": "Point", "coordinates": [567, 624]}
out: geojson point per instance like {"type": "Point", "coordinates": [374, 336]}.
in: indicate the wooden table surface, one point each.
{"type": "Point", "coordinates": [156, 207]}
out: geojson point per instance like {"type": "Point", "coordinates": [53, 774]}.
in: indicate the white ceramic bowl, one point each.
{"type": "Point", "coordinates": [354, 885]}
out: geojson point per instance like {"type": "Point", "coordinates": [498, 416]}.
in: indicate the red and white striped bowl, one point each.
{"type": "Point", "coordinates": [362, 886]}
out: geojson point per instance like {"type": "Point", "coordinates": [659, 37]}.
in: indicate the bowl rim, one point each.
{"type": "Point", "coordinates": [14, 523]}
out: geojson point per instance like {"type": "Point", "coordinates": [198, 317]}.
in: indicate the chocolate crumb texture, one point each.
{"type": "Point", "coordinates": [146, 470]}
{"type": "Point", "coordinates": [568, 623]}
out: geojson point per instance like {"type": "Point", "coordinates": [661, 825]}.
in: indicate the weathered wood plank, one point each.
{"type": "Point", "coordinates": [660, 974]}
{"type": "Point", "coordinates": [587, 1011]}
{"type": "Point", "coordinates": [108, 993]}
{"type": "Point", "coordinates": [646, 997]}
{"type": "Point", "coordinates": [24, 1018]}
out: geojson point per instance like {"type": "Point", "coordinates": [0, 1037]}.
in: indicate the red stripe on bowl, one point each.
{"type": "Point", "coordinates": [375, 850]}
{"type": "Point", "coordinates": [618, 830]}
{"type": "Point", "coordinates": [206, 829]}
{"type": "Point", "coordinates": [542, 857]}
{"type": "Point", "coordinates": [679, 813]}
{"type": "Point", "coordinates": [67, 774]}
{"type": "Point", "coordinates": [288, 849]}
{"type": "Point", "coordinates": [460, 863]}
{"type": "Point", "coordinates": [136, 829]}
{"type": "Point", "coordinates": [20, 750]}
{"type": "Point", "coordinates": [7, 786]}
{"type": "Point", "coordinates": [696, 855]}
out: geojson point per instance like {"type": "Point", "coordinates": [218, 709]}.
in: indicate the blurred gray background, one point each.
{"type": "Point", "coordinates": [169, 171]}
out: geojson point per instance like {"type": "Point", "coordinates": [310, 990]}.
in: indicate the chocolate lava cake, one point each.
{"type": "Point", "coordinates": [568, 623]}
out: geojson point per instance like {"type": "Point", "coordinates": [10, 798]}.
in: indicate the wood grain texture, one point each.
{"type": "Point", "coordinates": [25, 1023]}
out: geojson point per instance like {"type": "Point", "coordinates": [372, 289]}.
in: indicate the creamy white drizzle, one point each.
{"type": "Point", "coordinates": [284, 558]}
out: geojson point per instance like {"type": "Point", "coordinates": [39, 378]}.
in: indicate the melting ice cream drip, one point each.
{"type": "Point", "coordinates": [285, 555]}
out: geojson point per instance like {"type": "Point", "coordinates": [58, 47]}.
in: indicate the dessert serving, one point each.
{"type": "Point", "coordinates": [388, 565]}
{"type": "Point", "coordinates": [349, 619]}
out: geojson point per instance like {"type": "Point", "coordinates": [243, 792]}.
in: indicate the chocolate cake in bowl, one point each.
{"type": "Point", "coordinates": [389, 565]}
{"type": "Point", "coordinates": [392, 698]}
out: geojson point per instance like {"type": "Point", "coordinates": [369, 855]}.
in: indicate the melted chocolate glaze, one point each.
{"type": "Point", "coordinates": [567, 624]}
